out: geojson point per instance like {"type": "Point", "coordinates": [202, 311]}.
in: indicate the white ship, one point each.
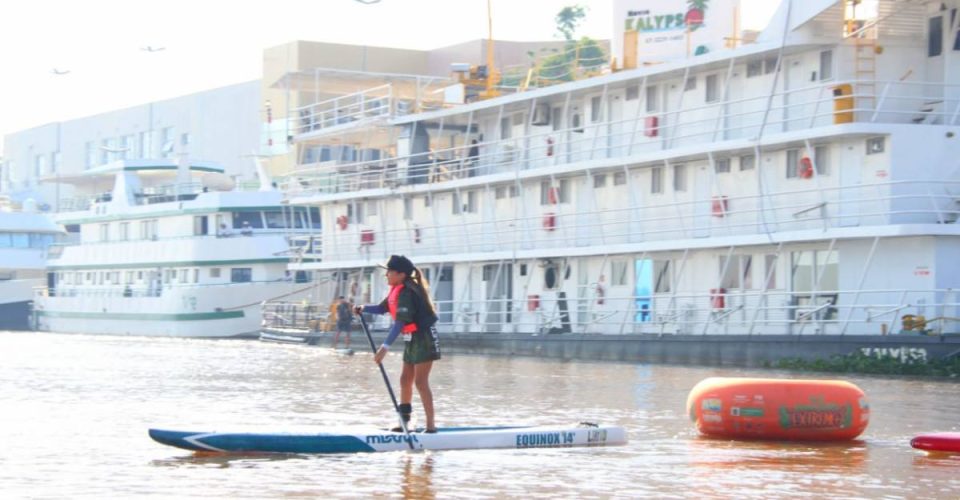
{"type": "Point", "coordinates": [25, 235]}
{"type": "Point", "coordinates": [806, 183]}
{"type": "Point", "coordinates": [162, 248]}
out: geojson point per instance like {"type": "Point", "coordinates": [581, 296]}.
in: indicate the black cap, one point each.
{"type": "Point", "coordinates": [400, 264]}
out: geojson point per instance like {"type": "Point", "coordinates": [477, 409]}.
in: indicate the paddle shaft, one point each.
{"type": "Point", "coordinates": [386, 380]}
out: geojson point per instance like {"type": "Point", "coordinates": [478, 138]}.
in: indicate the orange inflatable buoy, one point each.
{"type": "Point", "coordinates": [791, 410]}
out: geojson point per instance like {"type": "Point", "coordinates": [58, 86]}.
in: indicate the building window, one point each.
{"type": "Point", "coordinates": [408, 209]}
{"type": "Point", "coordinates": [471, 205]}
{"type": "Point", "coordinates": [596, 111]}
{"type": "Point", "coordinates": [722, 166]}
{"type": "Point", "coordinates": [754, 68]}
{"type": "Point", "coordinates": [104, 232]}
{"type": "Point", "coordinates": [427, 201]}
{"type": "Point", "coordinates": [166, 142]}
{"type": "Point", "coordinates": [748, 162]}
{"type": "Point", "coordinates": [793, 163]}
{"type": "Point", "coordinates": [876, 145]}
{"type": "Point", "coordinates": [500, 192]}
{"type": "Point", "coordinates": [633, 92]}
{"type": "Point", "coordinates": [556, 119]}
{"type": "Point", "coordinates": [148, 229]}
{"type": "Point", "coordinates": [618, 273]}
{"type": "Point", "coordinates": [124, 233]}
{"type": "Point", "coordinates": [826, 65]}
{"type": "Point", "coordinates": [39, 165]}
{"type": "Point", "coordinates": [241, 275]}
{"type": "Point", "coordinates": [146, 145]}
{"type": "Point", "coordinates": [372, 208]}
{"type": "Point", "coordinates": [663, 280]}
{"type": "Point", "coordinates": [599, 181]}
{"type": "Point", "coordinates": [185, 139]}
{"type": "Point", "coordinates": [691, 84]}
{"type": "Point", "coordinates": [712, 88]}
{"type": "Point", "coordinates": [56, 159]}
{"type": "Point", "coordinates": [679, 177]}
{"type": "Point", "coordinates": [652, 99]}
{"type": "Point", "coordinates": [551, 195]}
{"type": "Point", "coordinates": [619, 178]}
{"type": "Point", "coordinates": [935, 41]}
{"type": "Point", "coordinates": [656, 180]}
{"type": "Point", "coordinates": [91, 157]}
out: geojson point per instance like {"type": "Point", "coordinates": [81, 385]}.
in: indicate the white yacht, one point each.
{"type": "Point", "coordinates": [165, 248]}
{"type": "Point", "coordinates": [805, 183]}
{"type": "Point", "coordinates": [25, 235]}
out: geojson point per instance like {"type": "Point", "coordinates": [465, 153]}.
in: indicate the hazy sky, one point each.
{"type": "Point", "coordinates": [212, 43]}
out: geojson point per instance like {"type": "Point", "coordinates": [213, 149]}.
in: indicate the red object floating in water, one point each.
{"type": "Point", "coordinates": [937, 441]}
{"type": "Point", "coordinates": [772, 409]}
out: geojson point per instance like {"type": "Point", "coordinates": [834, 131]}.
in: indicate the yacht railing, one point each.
{"type": "Point", "coordinates": [562, 225]}
{"type": "Point", "coordinates": [140, 290]}
{"type": "Point", "coordinates": [729, 312]}
{"type": "Point", "coordinates": [376, 102]}
{"type": "Point", "coordinates": [165, 193]}
{"type": "Point", "coordinates": [647, 132]}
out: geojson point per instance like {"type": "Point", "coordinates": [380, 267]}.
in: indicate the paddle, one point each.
{"type": "Point", "coordinates": [386, 380]}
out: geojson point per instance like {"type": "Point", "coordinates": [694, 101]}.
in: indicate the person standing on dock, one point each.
{"type": "Point", "coordinates": [414, 317]}
{"type": "Point", "coordinates": [344, 322]}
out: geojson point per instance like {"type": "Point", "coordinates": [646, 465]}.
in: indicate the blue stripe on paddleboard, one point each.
{"type": "Point", "coordinates": [273, 443]}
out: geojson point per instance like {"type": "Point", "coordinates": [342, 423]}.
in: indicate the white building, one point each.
{"type": "Point", "coordinates": [221, 125]}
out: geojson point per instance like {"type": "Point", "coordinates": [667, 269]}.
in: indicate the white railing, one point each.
{"type": "Point", "coordinates": [733, 312]}
{"type": "Point", "coordinates": [137, 290]}
{"type": "Point", "coordinates": [564, 226]}
{"type": "Point", "coordinates": [376, 102]}
{"type": "Point", "coordinates": [747, 118]}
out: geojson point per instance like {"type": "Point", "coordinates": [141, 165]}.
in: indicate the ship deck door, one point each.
{"type": "Point", "coordinates": [616, 139]}
{"type": "Point", "coordinates": [849, 166]}
{"type": "Point", "coordinates": [499, 284]}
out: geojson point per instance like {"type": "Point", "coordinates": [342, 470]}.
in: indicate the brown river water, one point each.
{"type": "Point", "coordinates": [74, 411]}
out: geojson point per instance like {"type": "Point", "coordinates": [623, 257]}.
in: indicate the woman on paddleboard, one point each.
{"type": "Point", "coordinates": [414, 317]}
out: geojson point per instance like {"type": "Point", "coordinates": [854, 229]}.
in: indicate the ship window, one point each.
{"type": "Point", "coordinates": [619, 178]}
{"type": "Point", "coordinates": [513, 191]}
{"type": "Point", "coordinates": [104, 232]}
{"type": "Point", "coordinates": [214, 272]}
{"type": "Point", "coordinates": [505, 128]}
{"type": "Point", "coordinates": [372, 208]}
{"type": "Point", "coordinates": [618, 273]}
{"type": "Point", "coordinates": [821, 157]}
{"type": "Point", "coordinates": [712, 92]}
{"type": "Point", "coordinates": [793, 161]}
{"type": "Point", "coordinates": [251, 218]}
{"type": "Point", "coordinates": [875, 145]}
{"type": "Point", "coordinates": [595, 109]}
{"type": "Point", "coordinates": [691, 83]}
{"type": "Point", "coordinates": [722, 166]}
{"type": "Point", "coordinates": [737, 273]}
{"type": "Point", "coordinates": [427, 200]}
{"type": "Point", "coordinates": [575, 122]}
{"type": "Point", "coordinates": [241, 275]}
{"type": "Point", "coordinates": [652, 99]}
{"type": "Point", "coordinates": [826, 65]}
{"type": "Point", "coordinates": [633, 92]}
{"type": "Point", "coordinates": [748, 162]}
{"type": "Point", "coordinates": [500, 192]}
{"type": "Point", "coordinates": [662, 276]}
{"type": "Point", "coordinates": [550, 281]}
{"type": "Point", "coordinates": [523, 269]}
{"type": "Point", "coordinates": [274, 219]}
{"type": "Point", "coordinates": [407, 208]}
{"type": "Point", "coordinates": [599, 181]}
{"type": "Point", "coordinates": [124, 231]}
{"type": "Point", "coordinates": [556, 118]}
{"type": "Point", "coordinates": [679, 177]}
{"type": "Point", "coordinates": [770, 65]}
{"type": "Point", "coordinates": [656, 180]}
{"type": "Point", "coordinates": [754, 68]}
{"type": "Point", "coordinates": [770, 264]}
{"type": "Point", "coordinates": [935, 41]}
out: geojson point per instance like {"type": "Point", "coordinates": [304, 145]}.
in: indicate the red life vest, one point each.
{"type": "Point", "coordinates": [392, 299]}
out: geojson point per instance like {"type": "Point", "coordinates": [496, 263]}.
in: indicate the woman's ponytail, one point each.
{"type": "Point", "coordinates": [423, 288]}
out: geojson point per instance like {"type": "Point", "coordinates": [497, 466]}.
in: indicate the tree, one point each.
{"type": "Point", "coordinates": [568, 19]}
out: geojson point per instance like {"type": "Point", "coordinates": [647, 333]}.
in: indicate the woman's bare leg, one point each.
{"type": "Point", "coordinates": [422, 380]}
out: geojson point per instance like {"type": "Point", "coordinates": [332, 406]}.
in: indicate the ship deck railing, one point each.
{"type": "Point", "coordinates": [746, 119]}
{"type": "Point", "coordinates": [730, 312]}
{"type": "Point", "coordinates": [564, 225]}
{"type": "Point", "coordinates": [148, 195]}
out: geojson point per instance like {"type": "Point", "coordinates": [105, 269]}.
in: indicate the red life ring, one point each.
{"type": "Point", "coordinates": [342, 222]}
{"type": "Point", "coordinates": [805, 168]}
